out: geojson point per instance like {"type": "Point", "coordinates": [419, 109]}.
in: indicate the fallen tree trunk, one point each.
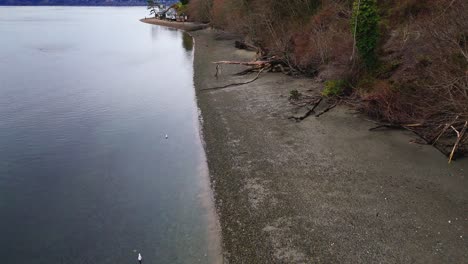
{"type": "Point", "coordinates": [265, 62]}
{"type": "Point", "coordinates": [234, 84]}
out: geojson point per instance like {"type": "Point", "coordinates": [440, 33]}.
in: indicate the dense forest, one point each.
{"type": "Point", "coordinates": [83, 2]}
{"type": "Point", "coordinates": [403, 62]}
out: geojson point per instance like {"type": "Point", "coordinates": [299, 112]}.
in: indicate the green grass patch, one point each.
{"type": "Point", "coordinates": [334, 88]}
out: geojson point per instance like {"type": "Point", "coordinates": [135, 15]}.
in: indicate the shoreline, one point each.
{"type": "Point", "coordinates": [186, 26]}
{"type": "Point", "coordinates": [324, 190]}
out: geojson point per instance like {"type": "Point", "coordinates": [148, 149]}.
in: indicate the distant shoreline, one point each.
{"type": "Point", "coordinates": [3, 5]}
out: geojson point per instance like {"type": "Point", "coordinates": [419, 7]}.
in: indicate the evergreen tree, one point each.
{"type": "Point", "coordinates": [365, 23]}
{"type": "Point", "coordinates": [152, 7]}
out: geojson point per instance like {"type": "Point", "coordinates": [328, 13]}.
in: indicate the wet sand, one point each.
{"type": "Point", "coordinates": [324, 190]}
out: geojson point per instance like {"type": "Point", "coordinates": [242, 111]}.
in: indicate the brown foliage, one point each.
{"type": "Point", "coordinates": [423, 77]}
{"type": "Point", "coordinates": [200, 10]}
{"type": "Point", "coordinates": [270, 24]}
{"type": "Point", "coordinates": [325, 39]}
{"type": "Point", "coordinates": [430, 83]}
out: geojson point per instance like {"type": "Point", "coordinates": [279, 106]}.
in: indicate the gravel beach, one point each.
{"type": "Point", "coordinates": [323, 190]}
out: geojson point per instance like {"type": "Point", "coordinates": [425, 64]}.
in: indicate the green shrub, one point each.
{"type": "Point", "coordinates": [334, 88]}
{"type": "Point", "coordinates": [294, 95]}
{"type": "Point", "coordinates": [365, 27]}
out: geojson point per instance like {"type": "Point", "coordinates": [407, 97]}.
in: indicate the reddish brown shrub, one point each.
{"type": "Point", "coordinates": [200, 10]}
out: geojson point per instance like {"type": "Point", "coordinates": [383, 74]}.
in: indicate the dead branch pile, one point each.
{"type": "Point", "coordinates": [313, 105]}
{"type": "Point", "coordinates": [427, 91]}
{"type": "Point", "coordinates": [265, 64]}
{"type": "Point", "coordinates": [438, 122]}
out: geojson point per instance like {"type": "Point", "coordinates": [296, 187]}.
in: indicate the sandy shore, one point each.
{"type": "Point", "coordinates": [324, 190]}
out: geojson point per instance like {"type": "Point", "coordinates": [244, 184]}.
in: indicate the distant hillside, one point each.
{"type": "Point", "coordinates": [82, 2]}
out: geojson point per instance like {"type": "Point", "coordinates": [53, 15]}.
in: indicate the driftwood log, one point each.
{"type": "Point", "coordinates": [234, 84]}
{"type": "Point", "coordinates": [259, 66]}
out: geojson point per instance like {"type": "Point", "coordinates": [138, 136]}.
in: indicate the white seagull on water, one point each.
{"type": "Point", "coordinates": [139, 258]}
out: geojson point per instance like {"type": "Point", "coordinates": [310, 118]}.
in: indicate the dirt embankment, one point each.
{"type": "Point", "coordinates": [324, 190]}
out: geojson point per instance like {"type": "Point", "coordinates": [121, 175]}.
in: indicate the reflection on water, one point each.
{"type": "Point", "coordinates": [86, 173]}
{"type": "Point", "coordinates": [157, 31]}
{"type": "Point", "coordinates": [187, 42]}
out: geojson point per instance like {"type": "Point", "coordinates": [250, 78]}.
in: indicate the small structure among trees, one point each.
{"type": "Point", "coordinates": [177, 11]}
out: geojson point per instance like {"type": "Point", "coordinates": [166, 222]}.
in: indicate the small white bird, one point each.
{"type": "Point", "coordinates": [140, 258]}
{"type": "Point", "coordinates": [167, 136]}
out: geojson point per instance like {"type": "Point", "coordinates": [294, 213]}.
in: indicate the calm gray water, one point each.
{"type": "Point", "coordinates": [87, 96]}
